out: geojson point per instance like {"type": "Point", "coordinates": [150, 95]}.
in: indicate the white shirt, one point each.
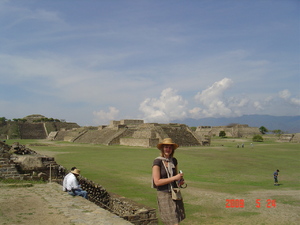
{"type": "Point", "coordinates": [65, 182]}
{"type": "Point", "coordinates": [70, 182]}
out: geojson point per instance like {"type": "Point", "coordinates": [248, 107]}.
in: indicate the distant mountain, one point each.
{"type": "Point", "coordinates": [288, 124]}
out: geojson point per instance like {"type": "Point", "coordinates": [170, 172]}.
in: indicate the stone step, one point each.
{"type": "Point", "coordinates": [8, 170]}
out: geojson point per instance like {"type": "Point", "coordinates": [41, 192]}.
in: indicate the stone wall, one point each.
{"type": "Point", "coordinates": [133, 212]}
{"type": "Point", "coordinates": [114, 123]}
{"type": "Point", "coordinates": [293, 138]}
{"type": "Point", "coordinates": [32, 130]}
{"type": "Point", "coordinates": [131, 122]}
{"type": "Point", "coordinates": [296, 138]}
{"type": "Point", "coordinates": [238, 130]}
{"type": "Point", "coordinates": [125, 208]}
{"type": "Point", "coordinates": [142, 142]}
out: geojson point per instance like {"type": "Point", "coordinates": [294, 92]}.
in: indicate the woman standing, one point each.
{"type": "Point", "coordinates": [164, 174]}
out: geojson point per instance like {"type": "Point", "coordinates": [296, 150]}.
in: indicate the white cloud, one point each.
{"type": "Point", "coordinates": [286, 95]}
{"type": "Point", "coordinates": [257, 105]}
{"type": "Point", "coordinates": [101, 117]}
{"type": "Point", "coordinates": [295, 101]}
{"type": "Point", "coordinates": [238, 102]}
{"type": "Point", "coordinates": [195, 112]}
{"type": "Point", "coordinates": [169, 106]}
{"type": "Point", "coordinates": [214, 101]}
{"type": "Point", "coordinates": [214, 92]}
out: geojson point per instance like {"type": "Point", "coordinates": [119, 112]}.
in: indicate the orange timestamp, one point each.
{"type": "Point", "coordinates": [240, 203]}
{"type": "Point", "coordinates": [270, 203]}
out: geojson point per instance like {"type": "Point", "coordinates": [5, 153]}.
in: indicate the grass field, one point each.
{"type": "Point", "coordinates": [214, 174]}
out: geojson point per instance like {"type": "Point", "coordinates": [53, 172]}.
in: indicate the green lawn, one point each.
{"type": "Point", "coordinates": [221, 168]}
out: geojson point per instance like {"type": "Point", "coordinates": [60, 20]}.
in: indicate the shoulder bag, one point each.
{"type": "Point", "coordinates": [176, 193]}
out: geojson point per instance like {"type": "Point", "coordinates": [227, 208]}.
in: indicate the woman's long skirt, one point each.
{"type": "Point", "coordinates": [171, 211]}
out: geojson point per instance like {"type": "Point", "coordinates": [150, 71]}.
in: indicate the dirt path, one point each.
{"type": "Point", "coordinates": [47, 204]}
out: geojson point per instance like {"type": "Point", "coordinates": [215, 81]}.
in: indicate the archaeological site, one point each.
{"type": "Point", "coordinates": [124, 132]}
{"type": "Point", "coordinates": [19, 162]}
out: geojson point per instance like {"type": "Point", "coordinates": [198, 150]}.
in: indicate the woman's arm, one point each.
{"type": "Point", "coordinates": [160, 182]}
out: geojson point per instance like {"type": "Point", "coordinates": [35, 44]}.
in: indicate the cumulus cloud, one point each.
{"type": "Point", "coordinates": [169, 106]}
{"type": "Point", "coordinates": [295, 101]}
{"type": "Point", "coordinates": [286, 95]}
{"type": "Point", "coordinates": [257, 105]}
{"type": "Point", "coordinates": [213, 101]}
{"type": "Point", "coordinates": [102, 117]}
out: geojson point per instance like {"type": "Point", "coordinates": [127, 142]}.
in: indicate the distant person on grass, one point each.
{"type": "Point", "coordinates": [276, 178]}
{"type": "Point", "coordinates": [71, 184]}
{"type": "Point", "coordinates": [164, 174]}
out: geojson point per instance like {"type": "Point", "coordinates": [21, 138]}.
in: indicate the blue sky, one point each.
{"type": "Point", "coordinates": [94, 61]}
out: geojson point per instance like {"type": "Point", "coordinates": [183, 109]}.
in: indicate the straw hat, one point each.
{"type": "Point", "coordinates": [76, 171]}
{"type": "Point", "coordinates": [167, 141]}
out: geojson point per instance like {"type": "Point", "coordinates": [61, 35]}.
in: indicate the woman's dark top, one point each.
{"type": "Point", "coordinates": [163, 174]}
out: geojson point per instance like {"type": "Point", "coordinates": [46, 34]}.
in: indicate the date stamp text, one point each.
{"type": "Point", "coordinates": [240, 203]}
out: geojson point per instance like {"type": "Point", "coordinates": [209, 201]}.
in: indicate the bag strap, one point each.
{"type": "Point", "coordinates": [168, 175]}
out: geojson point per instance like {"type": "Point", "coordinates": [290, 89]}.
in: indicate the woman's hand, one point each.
{"type": "Point", "coordinates": [157, 179]}
{"type": "Point", "coordinates": [178, 177]}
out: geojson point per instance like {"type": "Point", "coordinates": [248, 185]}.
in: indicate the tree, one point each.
{"type": "Point", "coordinates": [3, 119]}
{"type": "Point", "coordinates": [222, 134]}
{"type": "Point", "coordinates": [193, 128]}
{"type": "Point", "coordinates": [19, 120]}
{"type": "Point", "coordinates": [263, 130]}
{"type": "Point", "coordinates": [257, 138]}
{"type": "Point", "coordinates": [278, 132]}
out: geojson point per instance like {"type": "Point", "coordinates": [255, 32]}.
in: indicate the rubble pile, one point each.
{"type": "Point", "coordinates": [18, 149]}
{"type": "Point", "coordinates": [4, 149]}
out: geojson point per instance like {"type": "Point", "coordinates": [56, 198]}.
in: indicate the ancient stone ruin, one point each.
{"type": "Point", "coordinates": [124, 132]}
{"type": "Point", "coordinates": [293, 138]}
{"type": "Point", "coordinates": [234, 130]}
{"type": "Point", "coordinates": [32, 127]}
{"type": "Point", "coordinates": [128, 132]}
{"type": "Point", "coordinates": [19, 162]}
{"type": "Point", "coordinates": [131, 133]}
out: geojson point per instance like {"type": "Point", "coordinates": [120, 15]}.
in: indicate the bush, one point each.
{"type": "Point", "coordinates": [222, 134]}
{"type": "Point", "coordinates": [193, 128]}
{"type": "Point", "coordinates": [257, 138]}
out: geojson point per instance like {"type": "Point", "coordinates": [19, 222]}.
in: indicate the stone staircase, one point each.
{"type": "Point", "coordinates": [32, 131]}
{"type": "Point", "coordinates": [181, 135]}
{"type": "Point", "coordinates": [8, 170]}
{"type": "Point", "coordinates": [99, 136]}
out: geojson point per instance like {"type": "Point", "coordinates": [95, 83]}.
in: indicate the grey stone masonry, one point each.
{"type": "Point", "coordinates": [8, 170]}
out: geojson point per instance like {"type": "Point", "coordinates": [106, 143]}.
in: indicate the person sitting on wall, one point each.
{"type": "Point", "coordinates": [71, 185]}
{"type": "Point", "coordinates": [65, 178]}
